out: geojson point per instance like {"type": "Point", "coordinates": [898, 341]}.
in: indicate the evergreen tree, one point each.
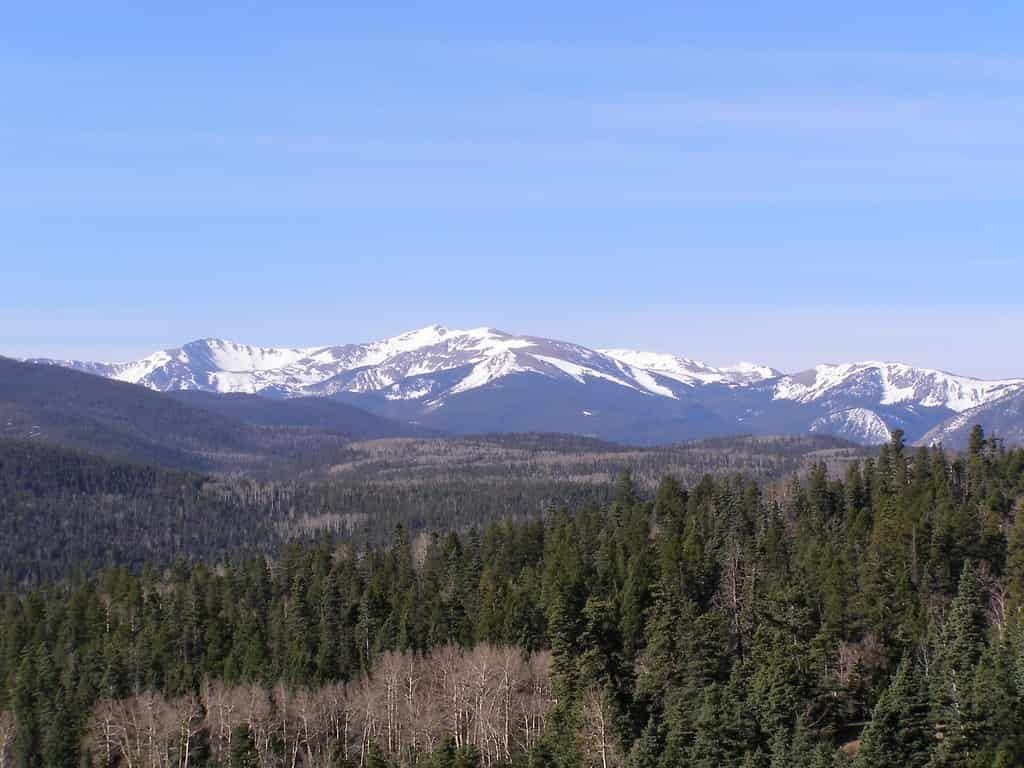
{"type": "Point", "coordinates": [963, 642]}
{"type": "Point", "coordinates": [899, 734]}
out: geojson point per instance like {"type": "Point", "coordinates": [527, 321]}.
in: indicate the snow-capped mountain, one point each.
{"type": "Point", "coordinates": [210, 365]}
{"type": "Point", "coordinates": [865, 401]}
{"type": "Point", "coordinates": [891, 384]}
{"type": "Point", "coordinates": [483, 379]}
{"type": "Point", "coordinates": [472, 358]}
{"type": "Point", "coordinates": [1002, 418]}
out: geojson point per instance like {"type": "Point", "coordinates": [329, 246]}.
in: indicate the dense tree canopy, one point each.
{"type": "Point", "coordinates": [873, 620]}
{"type": "Point", "coordinates": [64, 511]}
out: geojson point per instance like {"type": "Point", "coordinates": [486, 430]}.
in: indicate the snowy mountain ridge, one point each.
{"type": "Point", "coordinates": [692, 372]}
{"type": "Point", "coordinates": [892, 383]}
{"type": "Point", "coordinates": [487, 355]}
{"type": "Point", "coordinates": [414, 374]}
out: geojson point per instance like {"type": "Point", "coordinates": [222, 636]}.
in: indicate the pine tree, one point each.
{"type": "Point", "coordinates": [243, 750]}
{"type": "Point", "coordinates": [710, 741]}
{"type": "Point", "coordinates": [1015, 563]}
{"type": "Point", "coordinates": [27, 687]}
{"type": "Point", "coordinates": [963, 642]}
{"type": "Point", "coordinates": [993, 722]}
{"type": "Point", "coordinates": [899, 734]}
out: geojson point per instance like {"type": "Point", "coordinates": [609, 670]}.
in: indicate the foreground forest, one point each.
{"type": "Point", "coordinates": [872, 621]}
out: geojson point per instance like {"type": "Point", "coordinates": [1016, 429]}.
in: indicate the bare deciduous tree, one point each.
{"type": "Point", "coordinates": [491, 698]}
{"type": "Point", "coordinates": [7, 732]}
{"type": "Point", "coordinates": [224, 713]}
{"type": "Point", "coordinates": [597, 739]}
{"type": "Point", "coordinates": [146, 731]}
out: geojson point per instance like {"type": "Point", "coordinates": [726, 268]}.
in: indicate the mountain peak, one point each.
{"type": "Point", "coordinates": [436, 329]}
{"type": "Point", "coordinates": [508, 381]}
{"type": "Point", "coordinates": [891, 383]}
{"type": "Point", "coordinates": [692, 372]}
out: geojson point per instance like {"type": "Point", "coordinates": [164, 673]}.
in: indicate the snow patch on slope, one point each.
{"type": "Point", "coordinates": [490, 369]}
{"type": "Point", "coordinates": [651, 384]}
{"type": "Point", "coordinates": [580, 373]}
{"type": "Point", "coordinates": [857, 424]}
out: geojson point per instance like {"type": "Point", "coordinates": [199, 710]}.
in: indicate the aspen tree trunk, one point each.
{"type": "Point", "coordinates": [186, 735]}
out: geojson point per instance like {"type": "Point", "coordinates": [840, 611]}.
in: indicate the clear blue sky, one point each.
{"type": "Point", "coordinates": [784, 182]}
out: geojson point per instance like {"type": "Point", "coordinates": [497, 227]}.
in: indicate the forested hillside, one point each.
{"type": "Point", "coordinates": [203, 432]}
{"type": "Point", "coordinates": [117, 419]}
{"type": "Point", "coordinates": [532, 458]}
{"type": "Point", "coordinates": [63, 511]}
{"type": "Point", "coordinates": [872, 621]}
{"type": "Point", "coordinates": [316, 413]}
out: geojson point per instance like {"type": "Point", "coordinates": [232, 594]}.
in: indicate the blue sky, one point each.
{"type": "Point", "coordinates": [789, 183]}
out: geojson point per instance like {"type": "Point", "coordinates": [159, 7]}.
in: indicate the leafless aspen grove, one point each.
{"type": "Point", "coordinates": [494, 699]}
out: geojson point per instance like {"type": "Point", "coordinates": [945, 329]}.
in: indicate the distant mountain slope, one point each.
{"type": "Point", "coordinates": [115, 418]}
{"type": "Point", "coordinates": [483, 379]}
{"type": "Point", "coordinates": [1002, 419]}
{"type": "Point", "coordinates": [307, 412]}
{"type": "Point", "coordinates": [184, 430]}
{"type": "Point", "coordinates": [852, 385]}
{"type": "Point", "coordinates": [531, 402]}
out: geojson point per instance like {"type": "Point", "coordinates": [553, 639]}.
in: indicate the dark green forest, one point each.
{"type": "Point", "coordinates": [872, 620]}
{"type": "Point", "coordinates": [63, 511]}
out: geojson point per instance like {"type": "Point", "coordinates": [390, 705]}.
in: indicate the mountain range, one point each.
{"type": "Point", "coordinates": [486, 380]}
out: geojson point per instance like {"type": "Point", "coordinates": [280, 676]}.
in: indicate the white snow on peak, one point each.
{"type": "Point", "coordinates": [231, 356]}
{"type": "Point", "coordinates": [436, 362]}
{"type": "Point", "coordinates": [377, 352]}
{"type": "Point", "coordinates": [412, 340]}
{"type": "Point", "coordinates": [133, 372]}
{"type": "Point", "coordinates": [483, 340]}
{"type": "Point", "coordinates": [892, 383]}
{"type": "Point", "coordinates": [207, 355]}
{"type": "Point", "coordinates": [751, 371]}
{"type": "Point", "coordinates": [691, 372]}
